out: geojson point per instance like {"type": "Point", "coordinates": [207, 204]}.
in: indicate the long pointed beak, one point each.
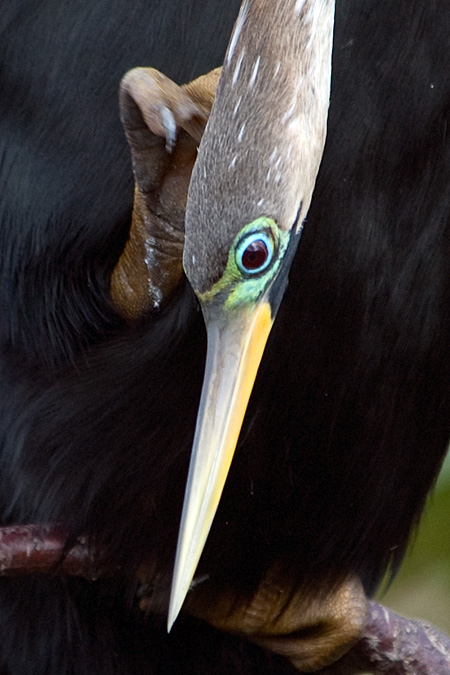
{"type": "Point", "coordinates": [235, 348]}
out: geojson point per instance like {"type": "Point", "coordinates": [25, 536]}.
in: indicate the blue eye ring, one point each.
{"type": "Point", "coordinates": [254, 252]}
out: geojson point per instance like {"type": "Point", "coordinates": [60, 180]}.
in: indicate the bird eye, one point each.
{"type": "Point", "coordinates": [254, 253]}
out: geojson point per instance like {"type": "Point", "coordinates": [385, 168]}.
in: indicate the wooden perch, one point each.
{"type": "Point", "coordinates": [394, 645]}
{"type": "Point", "coordinates": [41, 549]}
{"type": "Point", "coordinates": [391, 644]}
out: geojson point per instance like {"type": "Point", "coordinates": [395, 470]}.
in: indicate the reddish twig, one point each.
{"type": "Point", "coordinates": [394, 645]}
{"type": "Point", "coordinates": [31, 549]}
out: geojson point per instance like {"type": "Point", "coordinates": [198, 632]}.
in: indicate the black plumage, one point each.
{"type": "Point", "coordinates": [348, 422]}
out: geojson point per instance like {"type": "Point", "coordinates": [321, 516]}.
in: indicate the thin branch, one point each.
{"type": "Point", "coordinates": [31, 549]}
{"type": "Point", "coordinates": [394, 645]}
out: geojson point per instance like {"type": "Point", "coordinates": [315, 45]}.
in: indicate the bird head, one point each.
{"type": "Point", "coordinates": [250, 190]}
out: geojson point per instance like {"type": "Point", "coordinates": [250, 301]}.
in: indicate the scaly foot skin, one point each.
{"type": "Point", "coordinates": [312, 629]}
{"type": "Point", "coordinates": [163, 123]}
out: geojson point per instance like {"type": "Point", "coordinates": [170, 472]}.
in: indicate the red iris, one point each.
{"type": "Point", "coordinates": [255, 255]}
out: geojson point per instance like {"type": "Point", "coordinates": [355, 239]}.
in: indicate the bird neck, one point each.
{"type": "Point", "coordinates": [264, 140]}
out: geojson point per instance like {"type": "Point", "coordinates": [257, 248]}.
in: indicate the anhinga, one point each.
{"type": "Point", "coordinates": [348, 418]}
{"type": "Point", "coordinates": [249, 194]}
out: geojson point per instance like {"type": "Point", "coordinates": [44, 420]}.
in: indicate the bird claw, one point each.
{"type": "Point", "coordinates": [163, 123]}
{"type": "Point", "coordinates": [311, 630]}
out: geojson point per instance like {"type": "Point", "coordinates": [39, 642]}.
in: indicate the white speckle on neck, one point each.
{"type": "Point", "coordinates": [236, 107]}
{"type": "Point", "coordinates": [299, 6]}
{"type": "Point", "coordinates": [254, 73]}
{"type": "Point", "coordinates": [241, 133]}
{"type": "Point", "coordinates": [277, 69]}
{"type": "Point", "coordinates": [273, 155]}
{"type": "Point", "coordinates": [295, 124]}
{"type": "Point", "coordinates": [260, 203]}
{"type": "Point", "coordinates": [288, 114]}
{"type": "Point", "coordinates": [232, 164]}
{"type": "Point", "coordinates": [237, 70]}
{"type": "Point", "coordinates": [237, 31]}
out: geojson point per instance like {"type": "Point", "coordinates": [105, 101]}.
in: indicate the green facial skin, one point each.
{"type": "Point", "coordinates": [237, 288]}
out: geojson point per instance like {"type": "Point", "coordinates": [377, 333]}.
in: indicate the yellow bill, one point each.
{"type": "Point", "coordinates": [236, 344]}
